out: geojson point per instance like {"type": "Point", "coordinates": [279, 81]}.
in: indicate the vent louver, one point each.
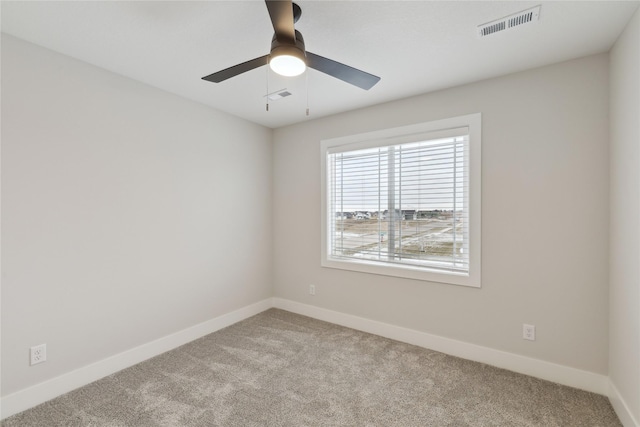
{"type": "Point", "coordinates": [511, 21]}
{"type": "Point", "coordinates": [490, 29]}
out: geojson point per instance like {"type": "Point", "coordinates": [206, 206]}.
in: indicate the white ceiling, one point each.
{"type": "Point", "coordinates": [414, 46]}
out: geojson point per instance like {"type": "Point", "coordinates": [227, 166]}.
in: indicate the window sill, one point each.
{"type": "Point", "coordinates": [403, 271]}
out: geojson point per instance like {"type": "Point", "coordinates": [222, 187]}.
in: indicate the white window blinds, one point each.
{"type": "Point", "coordinates": [402, 203]}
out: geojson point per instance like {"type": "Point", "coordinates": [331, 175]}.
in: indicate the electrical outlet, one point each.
{"type": "Point", "coordinates": [528, 332]}
{"type": "Point", "coordinates": [312, 289]}
{"type": "Point", "coordinates": [38, 354]}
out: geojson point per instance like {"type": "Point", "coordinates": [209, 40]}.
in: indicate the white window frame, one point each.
{"type": "Point", "coordinates": [395, 136]}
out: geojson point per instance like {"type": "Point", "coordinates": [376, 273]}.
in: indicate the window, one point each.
{"type": "Point", "coordinates": [405, 202]}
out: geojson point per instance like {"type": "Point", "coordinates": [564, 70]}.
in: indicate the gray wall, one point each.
{"type": "Point", "coordinates": [545, 217]}
{"type": "Point", "coordinates": [624, 335]}
{"type": "Point", "coordinates": [128, 213]}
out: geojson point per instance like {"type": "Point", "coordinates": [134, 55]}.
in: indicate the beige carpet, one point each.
{"type": "Point", "coordinates": [282, 369]}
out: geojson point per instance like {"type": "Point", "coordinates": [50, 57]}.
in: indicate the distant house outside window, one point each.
{"type": "Point", "coordinates": [405, 202]}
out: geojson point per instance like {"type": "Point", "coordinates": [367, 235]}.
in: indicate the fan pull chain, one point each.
{"type": "Point", "coordinates": [307, 79]}
{"type": "Point", "coordinates": [267, 71]}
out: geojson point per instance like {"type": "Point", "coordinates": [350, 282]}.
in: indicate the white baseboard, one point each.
{"type": "Point", "coordinates": [47, 390]}
{"type": "Point", "coordinates": [42, 392]}
{"type": "Point", "coordinates": [620, 406]}
{"type": "Point", "coordinates": [565, 375]}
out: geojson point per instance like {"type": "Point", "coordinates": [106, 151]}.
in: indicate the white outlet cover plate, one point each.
{"type": "Point", "coordinates": [38, 354]}
{"type": "Point", "coordinates": [529, 332]}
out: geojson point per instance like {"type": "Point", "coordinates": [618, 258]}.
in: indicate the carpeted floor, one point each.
{"type": "Point", "coordinates": [282, 369]}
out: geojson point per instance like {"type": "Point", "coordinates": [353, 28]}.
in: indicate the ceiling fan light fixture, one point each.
{"type": "Point", "coordinates": [288, 61]}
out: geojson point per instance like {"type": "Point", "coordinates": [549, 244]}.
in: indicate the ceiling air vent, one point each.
{"type": "Point", "coordinates": [511, 21]}
{"type": "Point", "coordinates": [279, 94]}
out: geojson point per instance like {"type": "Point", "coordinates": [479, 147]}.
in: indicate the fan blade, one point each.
{"type": "Point", "coordinates": [341, 71]}
{"type": "Point", "coordinates": [227, 73]}
{"type": "Point", "coordinates": [281, 14]}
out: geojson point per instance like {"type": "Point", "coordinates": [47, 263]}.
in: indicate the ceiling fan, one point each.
{"type": "Point", "coordinates": [288, 56]}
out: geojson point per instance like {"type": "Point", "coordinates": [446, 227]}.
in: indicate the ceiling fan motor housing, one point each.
{"type": "Point", "coordinates": [296, 49]}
